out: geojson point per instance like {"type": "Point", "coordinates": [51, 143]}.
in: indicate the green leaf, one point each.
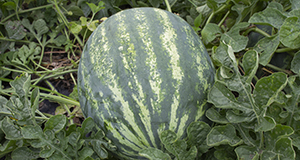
{"type": "Point", "coordinates": [177, 147]}
{"type": "Point", "coordinates": [38, 28]}
{"type": "Point", "coordinates": [247, 133]}
{"type": "Point", "coordinates": [21, 111]}
{"type": "Point", "coordinates": [15, 30]}
{"type": "Point", "coordinates": [295, 64]}
{"type": "Point", "coordinates": [250, 65]}
{"type": "Point", "coordinates": [247, 152]}
{"type": "Point", "coordinates": [32, 132]}
{"type": "Point", "coordinates": [210, 32]}
{"type": "Point", "coordinates": [96, 140]}
{"type": "Point", "coordinates": [266, 48]}
{"type": "Point", "coordinates": [21, 86]}
{"type": "Point", "coordinates": [222, 97]}
{"type": "Point", "coordinates": [76, 11]}
{"type": "Point", "coordinates": [24, 153]}
{"type": "Point", "coordinates": [198, 20]}
{"type": "Point", "coordinates": [3, 108]}
{"type": "Point", "coordinates": [268, 155]}
{"type": "Point", "coordinates": [100, 147]}
{"type": "Point", "coordinates": [168, 137]}
{"type": "Point", "coordinates": [265, 124]}
{"type": "Point", "coordinates": [35, 97]}
{"type": "Point", "coordinates": [93, 25]}
{"type": "Point", "coordinates": [276, 5]}
{"type": "Point", "coordinates": [47, 152]}
{"type": "Point", "coordinates": [204, 10]}
{"type": "Point", "coordinates": [295, 4]}
{"type": "Point", "coordinates": [154, 154]}
{"type": "Point", "coordinates": [95, 8]}
{"type": "Point", "coordinates": [155, 3]}
{"type": "Point", "coordinates": [267, 88]}
{"type": "Point", "coordinates": [289, 32]}
{"type": "Point", "coordinates": [41, 27]}
{"type": "Point", "coordinates": [225, 134]}
{"type": "Point", "coordinates": [85, 152]}
{"type": "Point", "coordinates": [280, 131]}
{"type": "Point", "coordinates": [215, 116]}
{"type": "Point", "coordinates": [224, 152]}
{"type": "Point", "coordinates": [10, 5]}
{"type": "Point", "coordinates": [87, 125]}
{"type": "Point", "coordinates": [296, 142]}
{"type": "Point", "coordinates": [234, 39]}
{"type": "Point", "coordinates": [284, 149]}
{"type": "Point", "coordinates": [75, 28]}
{"type": "Point", "coordinates": [214, 4]}
{"type": "Point", "coordinates": [56, 123]}
{"type": "Point", "coordinates": [197, 132]}
{"type": "Point", "coordinates": [7, 146]}
{"type": "Point", "coordinates": [12, 132]}
{"type": "Point", "coordinates": [237, 117]}
{"type": "Point", "coordinates": [269, 16]}
{"type": "Point", "coordinates": [60, 40]}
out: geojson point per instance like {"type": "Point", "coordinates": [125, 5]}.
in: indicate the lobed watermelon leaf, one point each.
{"type": "Point", "coordinates": [269, 16]}
{"type": "Point", "coordinates": [177, 147]}
{"type": "Point", "coordinates": [154, 154]}
{"type": "Point", "coordinates": [289, 32]}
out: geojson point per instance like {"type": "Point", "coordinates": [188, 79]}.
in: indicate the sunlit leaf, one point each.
{"type": "Point", "coordinates": [295, 4]}
{"type": "Point", "coordinates": [95, 8]}
{"type": "Point", "coordinates": [284, 149]}
{"type": "Point", "coordinates": [223, 135]}
{"type": "Point", "coordinates": [266, 48]}
{"type": "Point", "coordinates": [269, 16]}
{"type": "Point", "coordinates": [12, 132]}
{"type": "Point", "coordinates": [24, 153]}
{"type": "Point", "coordinates": [265, 124]}
{"type": "Point", "coordinates": [295, 65]}
{"type": "Point", "coordinates": [197, 132]}
{"type": "Point", "coordinates": [236, 117]}
{"type": "Point", "coordinates": [267, 88]}
{"type": "Point", "coordinates": [210, 32]}
{"type": "Point", "coordinates": [32, 132]}
{"type": "Point", "coordinates": [222, 97]}
{"type": "Point", "coordinates": [10, 5]}
{"type": "Point", "coordinates": [154, 154]}
{"type": "Point", "coordinates": [56, 123]}
{"type": "Point", "coordinates": [15, 30]}
{"type": "Point", "coordinates": [234, 39]}
{"type": "Point", "coordinates": [41, 27]}
{"type": "Point", "coordinates": [250, 64]}
{"type": "Point", "coordinates": [215, 116]}
{"type": "Point", "coordinates": [247, 152]}
{"type": "Point", "coordinates": [289, 32]}
{"type": "Point", "coordinates": [155, 3]}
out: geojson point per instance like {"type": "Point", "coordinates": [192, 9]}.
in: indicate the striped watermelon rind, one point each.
{"type": "Point", "coordinates": [142, 71]}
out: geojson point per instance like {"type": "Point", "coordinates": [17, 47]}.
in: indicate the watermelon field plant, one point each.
{"type": "Point", "coordinates": [47, 60]}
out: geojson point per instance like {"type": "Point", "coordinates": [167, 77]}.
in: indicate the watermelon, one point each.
{"type": "Point", "coordinates": [143, 71]}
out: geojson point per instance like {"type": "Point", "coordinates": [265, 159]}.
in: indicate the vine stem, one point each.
{"type": "Point", "coordinates": [223, 19]}
{"type": "Point", "coordinates": [27, 42]}
{"type": "Point", "coordinates": [24, 11]}
{"type": "Point", "coordinates": [214, 13]}
{"type": "Point", "coordinates": [278, 69]}
{"type": "Point", "coordinates": [168, 6]}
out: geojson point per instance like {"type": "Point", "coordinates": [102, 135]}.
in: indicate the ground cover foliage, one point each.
{"type": "Point", "coordinates": [254, 45]}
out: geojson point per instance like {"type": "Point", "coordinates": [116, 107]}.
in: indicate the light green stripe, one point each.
{"type": "Point", "coordinates": [182, 126]}
{"type": "Point", "coordinates": [200, 68]}
{"type": "Point", "coordinates": [99, 55]}
{"type": "Point", "coordinates": [140, 140]}
{"type": "Point", "coordinates": [154, 80]}
{"type": "Point", "coordinates": [169, 44]}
